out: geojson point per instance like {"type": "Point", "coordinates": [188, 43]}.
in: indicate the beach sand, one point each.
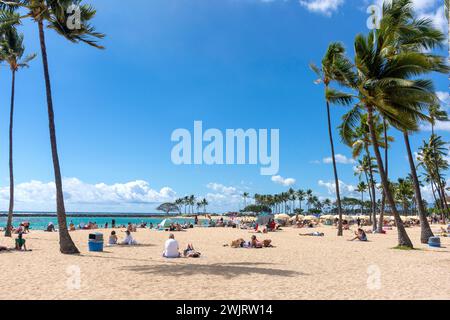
{"type": "Point", "coordinates": [297, 268]}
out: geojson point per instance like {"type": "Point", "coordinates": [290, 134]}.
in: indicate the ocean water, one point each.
{"type": "Point", "coordinates": [41, 222]}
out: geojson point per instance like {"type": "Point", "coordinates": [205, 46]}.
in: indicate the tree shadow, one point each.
{"type": "Point", "coordinates": [226, 270]}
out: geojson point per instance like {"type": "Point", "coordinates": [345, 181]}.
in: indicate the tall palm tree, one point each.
{"type": "Point", "coordinates": [12, 51]}
{"type": "Point", "coordinates": [204, 203]}
{"type": "Point", "coordinates": [389, 62]}
{"type": "Point", "coordinates": [362, 187]}
{"type": "Point", "coordinates": [301, 194]}
{"type": "Point", "coordinates": [334, 68]}
{"type": "Point", "coordinates": [55, 14]}
{"type": "Point", "coordinates": [292, 196]}
{"type": "Point", "coordinates": [358, 138]}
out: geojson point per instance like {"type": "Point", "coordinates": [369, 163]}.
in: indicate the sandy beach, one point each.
{"type": "Point", "coordinates": [296, 268]}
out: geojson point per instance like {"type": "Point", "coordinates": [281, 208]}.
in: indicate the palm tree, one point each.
{"type": "Point", "coordinates": [204, 203]}
{"type": "Point", "coordinates": [404, 192]}
{"type": "Point", "coordinates": [12, 51]}
{"type": "Point", "coordinates": [389, 62]}
{"type": "Point", "coordinates": [301, 194]}
{"type": "Point", "coordinates": [362, 187]}
{"type": "Point", "coordinates": [292, 197]}
{"type": "Point", "coordinates": [55, 14]}
{"type": "Point", "coordinates": [334, 68]}
{"type": "Point", "coordinates": [431, 157]}
{"type": "Point", "coordinates": [436, 114]}
{"type": "Point", "coordinates": [245, 195]}
{"type": "Point", "coordinates": [358, 138]}
{"type": "Point", "coordinates": [191, 202]}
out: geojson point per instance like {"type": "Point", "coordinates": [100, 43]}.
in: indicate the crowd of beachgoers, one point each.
{"type": "Point", "coordinates": [358, 224]}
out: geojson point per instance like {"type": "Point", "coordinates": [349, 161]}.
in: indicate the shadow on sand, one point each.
{"type": "Point", "coordinates": [226, 270]}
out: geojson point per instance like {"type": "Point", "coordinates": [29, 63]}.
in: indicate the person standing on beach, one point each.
{"type": "Point", "coordinates": [113, 223]}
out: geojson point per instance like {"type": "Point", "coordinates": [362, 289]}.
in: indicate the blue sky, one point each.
{"type": "Point", "coordinates": [229, 63]}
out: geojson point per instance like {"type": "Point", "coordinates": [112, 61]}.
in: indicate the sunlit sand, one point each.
{"type": "Point", "coordinates": [296, 268]}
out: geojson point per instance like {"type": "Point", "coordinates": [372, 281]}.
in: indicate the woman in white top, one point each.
{"type": "Point", "coordinates": [129, 239]}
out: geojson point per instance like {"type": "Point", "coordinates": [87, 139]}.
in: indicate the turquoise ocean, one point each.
{"type": "Point", "coordinates": [40, 221]}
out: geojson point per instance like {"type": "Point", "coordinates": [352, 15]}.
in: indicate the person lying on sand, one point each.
{"type": "Point", "coordinates": [190, 252]}
{"type": "Point", "coordinates": [129, 240]}
{"type": "Point", "coordinates": [2, 248]}
{"type": "Point", "coordinates": [360, 235]}
{"type": "Point", "coordinates": [255, 243]}
{"type": "Point", "coordinates": [171, 248]}
{"type": "Point", "coordinates": [313, 234]}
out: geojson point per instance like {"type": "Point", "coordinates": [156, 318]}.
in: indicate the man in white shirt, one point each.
{"type": "Point", "coordinates": [171, 248]}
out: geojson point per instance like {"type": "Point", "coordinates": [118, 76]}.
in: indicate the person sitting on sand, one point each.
{"type": "Point", "coordinates": [20, 243]}
{"type": "Point", "coordinates": [51, 227]}
{"type": "Point", "coordinates": [113, 238]}
{"type": "Point", "coordinates": [128, 241]}
{"type": "Point", "coordinates": [190, 252]}
{"type": "Point", "coordinates": [71, 226]}
{"type": "Point", "coordinates": [171, 248]}
{"type": "Point", "coordinates": [130, 227]}
{"type": "Point", "coordinates": [360, 235]}
{"type": "Point", "coordinates": [313, 234]}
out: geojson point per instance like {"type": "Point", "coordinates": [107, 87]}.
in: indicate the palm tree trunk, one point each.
{"type": "Point", "coordinates": [403, 238]}
{"type": "Point", "coordinates": [372, 187]}
{"type": "Point", "coordinates": [11, 172]}
{"type": "Point", "coordinates": [336, 179]}
{"type": "Point", "coordinates": [66, 244]}
{"type": "Point", "coordinates": [436, 202]}
{"type": "Point", "coordinates": [426, 232]}
{"type": "Point", "coordinates": [383, 196]}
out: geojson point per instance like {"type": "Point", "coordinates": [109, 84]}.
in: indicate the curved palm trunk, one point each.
{"type": "Point", "coordinates": [426, 232]}
{"type": "Point", "coordinates": [66, 244]}
{"type": "Point", "coordinates": [11, 172]}
{"type": "Point", "coordinates": [336, 179]}
{"type": "Point", "coordinates": [403, 238]}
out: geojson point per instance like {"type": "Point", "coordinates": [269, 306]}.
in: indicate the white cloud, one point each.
{"type": "Point", "coordinates": [339, 159]}
{"type": "Point", "coordinates": [221, 188]}
{"type": "Point", "coordinates": [326, 7]}
{"type": "Point", "coordinates": [445, 98]}
{"type": "Point", "coordinates": [346, 190]}
{"type": "Point", "coordinates": [284, 182]}
{"type": "Point", "coordinates": [439, 126]}
{"type": "Point", "coordinates": [37, 195]}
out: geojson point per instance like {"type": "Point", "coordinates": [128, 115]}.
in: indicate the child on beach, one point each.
{"type": "Point", "coordinates": [113, 238]}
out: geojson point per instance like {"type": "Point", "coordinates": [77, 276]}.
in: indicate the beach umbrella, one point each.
{"type": "Point", "coordinates": [327, 217]}
{"type": "Point", "coordinates": [282, 216]}
{"type": "Point", "coordinates": [300, 217]}
{"type": "Point", "coordinates": [310, 218]}
{"type": "Point", "coordinates": [166, 223]}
